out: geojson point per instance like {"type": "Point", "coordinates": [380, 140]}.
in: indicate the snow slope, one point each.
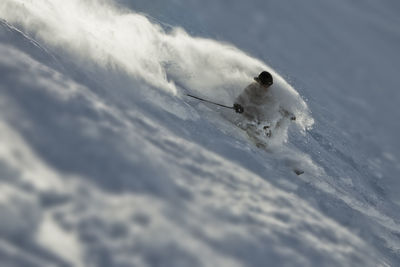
{"type": "Point", "coordinates": [105, 162]}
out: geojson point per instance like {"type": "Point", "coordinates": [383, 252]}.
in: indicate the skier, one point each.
{"type": "Point", "coordinates": [251, 101]}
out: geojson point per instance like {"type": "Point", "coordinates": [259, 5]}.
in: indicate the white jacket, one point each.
{"type": "Point", "coordinates": [252, 99]}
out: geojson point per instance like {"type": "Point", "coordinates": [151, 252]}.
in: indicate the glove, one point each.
{"type": "Point", "coordinates": [238, 108]}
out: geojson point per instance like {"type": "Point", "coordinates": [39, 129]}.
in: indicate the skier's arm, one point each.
{"type": "Point", "coordinates": [242, 100]}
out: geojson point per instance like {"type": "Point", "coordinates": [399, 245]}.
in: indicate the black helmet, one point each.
{"type": "Point", "coordinates": [265, 78]}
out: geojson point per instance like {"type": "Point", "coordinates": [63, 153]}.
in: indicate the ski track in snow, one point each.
{"type": "Point", "coordinates": [105, 163]}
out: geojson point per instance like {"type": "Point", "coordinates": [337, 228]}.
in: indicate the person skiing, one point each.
{"type": "Point", "coordinates": [251, 101]}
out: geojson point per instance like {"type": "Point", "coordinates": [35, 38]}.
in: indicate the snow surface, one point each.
{"type": "Point", "coordinates": [105, 162]}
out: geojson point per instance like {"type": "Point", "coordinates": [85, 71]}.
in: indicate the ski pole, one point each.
{"type": "Point", "coordinates": [208, 101]}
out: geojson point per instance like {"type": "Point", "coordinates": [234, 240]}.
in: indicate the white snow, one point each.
{"type": "Point", "coordinates": [105, 162]}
